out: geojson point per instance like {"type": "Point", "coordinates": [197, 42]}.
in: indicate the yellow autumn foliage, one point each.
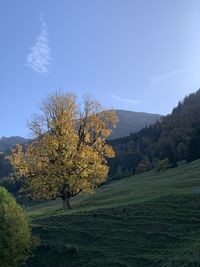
{"type": "Point", "coordinates": [69, 152]}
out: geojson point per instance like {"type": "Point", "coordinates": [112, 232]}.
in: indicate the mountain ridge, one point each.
{"type": "Point", "coordinates": [129, 122]}
{"type": "Point", "coordinates": [6, 143]}
{"type": "Point", "coordinates": [132, 121]}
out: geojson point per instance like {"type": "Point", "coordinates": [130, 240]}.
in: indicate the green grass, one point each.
{"type": "Point", "coordinates": [151, 219]}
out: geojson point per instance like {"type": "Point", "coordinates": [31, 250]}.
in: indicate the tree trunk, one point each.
{"type": "Point", "coordinates": [65, 202]}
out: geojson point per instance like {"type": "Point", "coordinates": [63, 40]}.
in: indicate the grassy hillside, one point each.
{"type": "Point", "coordinates": [152, 219]}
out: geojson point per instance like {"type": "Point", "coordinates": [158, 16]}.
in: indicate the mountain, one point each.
{"type": "Point", "coordinates": [6, 143]}
{"type": "Point", "coordinates": [175, 137]}
{"type": "Point", "coordinates": [131, 122]}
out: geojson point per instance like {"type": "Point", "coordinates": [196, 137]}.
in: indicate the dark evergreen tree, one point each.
{"type": "Point", "coordinates": [194, 147]}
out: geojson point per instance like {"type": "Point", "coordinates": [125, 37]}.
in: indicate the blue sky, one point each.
{"type": "Point", "coordinates": [137, 55]}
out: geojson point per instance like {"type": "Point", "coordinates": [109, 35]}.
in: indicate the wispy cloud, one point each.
{"type": "Point", "coordinates": [125, 100]}
{"type": "Point", "coordinates": [39, 57]}
{"type": "Point", "coordinates": [164, 76]}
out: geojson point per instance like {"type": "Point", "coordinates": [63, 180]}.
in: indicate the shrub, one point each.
{"type": "Point", "coordinates": [14, 232]}
{"type": "Point", "coordinates": [164, 164]}
{"type": "Point", "coordinates": [144, 165]}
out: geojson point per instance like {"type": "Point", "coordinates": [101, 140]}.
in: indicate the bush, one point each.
{"type": "Point", "coordinates": [164, 164]}
{"type": "Point", "coordinates": [14, 232]}
{"type": "Point", "coordinates": [11, 185]}
{"type": "Point", "coordinates": [144, 165]}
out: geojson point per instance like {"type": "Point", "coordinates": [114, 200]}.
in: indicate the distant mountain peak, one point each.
{"type": "Point", "coordinates": [6, 143]}
{"type": "Point", "coordinates": [132, 121]}
{"type": "Point", "coordinates": [129, 122]}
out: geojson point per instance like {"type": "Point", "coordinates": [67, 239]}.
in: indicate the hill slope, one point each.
{"type": "Point", "coordinates": [175, 137]}
{"type": "Point", "coordinates": [151, 219]}
{"type": "Point", "coordinates": [131, 122]}
{"type": "Point", "coordinates": [6, 143]}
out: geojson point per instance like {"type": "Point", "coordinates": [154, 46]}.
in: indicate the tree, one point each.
{"type": "Point", "coordinates": [193, 152]}
{"type": "Point", "coordinates": [69, 154]}
{"type": "Point", "coordinates": [127, 173]}
{"type": "Point", "coordinates": [144, 165]}
{"type": "Point", "coordinates": [181, 151]}
{"type": "Point", "coordinates": [14, 232]}
{"type": "Point", "coordinates": [164, 164]}
{"type": "Point", "coordinates": [5, 167]}
{"type": "Point", "coordinates": [119, 173]}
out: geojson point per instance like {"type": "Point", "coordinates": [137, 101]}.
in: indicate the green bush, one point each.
{"type": "Point", "coordinates": [14, 232]}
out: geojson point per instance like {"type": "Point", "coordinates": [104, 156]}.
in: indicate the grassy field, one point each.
{"type": "Point", "coordinates": [151, 219]}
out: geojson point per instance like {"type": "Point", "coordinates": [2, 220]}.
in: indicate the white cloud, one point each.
{"type": "Point", "coordinates": [125, 100]}
{"type": "Point", "coordinates": [39, 58]}
{"type": "Point", "coordinates": [172, 73]}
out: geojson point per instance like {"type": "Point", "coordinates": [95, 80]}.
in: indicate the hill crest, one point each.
{"type": "Point", "coordinates": [132, 122]}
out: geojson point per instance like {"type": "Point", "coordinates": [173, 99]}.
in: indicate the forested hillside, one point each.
{"type": "Point", "coordinates": [175, 137]}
